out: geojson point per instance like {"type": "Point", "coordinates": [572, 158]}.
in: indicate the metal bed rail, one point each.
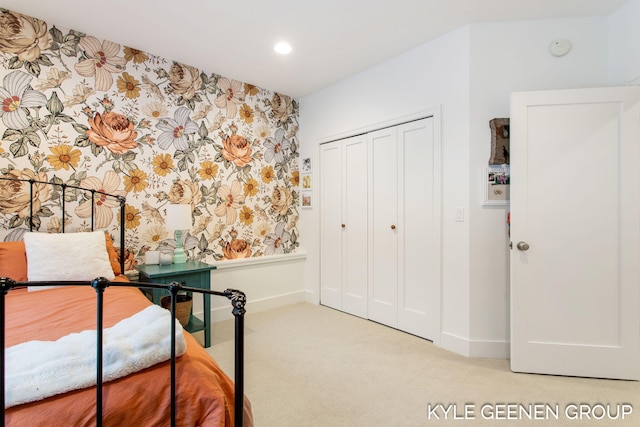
{"type": "Point", "coordinates": [238, 301]}
{"type": "Point", "coordinates": [63, 205]}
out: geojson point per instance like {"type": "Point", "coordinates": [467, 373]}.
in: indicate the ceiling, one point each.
{"type": "Point", "coordinates": [331, 39]}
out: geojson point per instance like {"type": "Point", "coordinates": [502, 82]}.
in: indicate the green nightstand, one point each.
{"type": "Point", "coordinates": [194, 274]}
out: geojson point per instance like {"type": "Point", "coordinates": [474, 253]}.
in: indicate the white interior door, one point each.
{"type": "Point", "coordinates": [383, 220]}
{"type": "Point", "coordinates": [418, 228]}
{"type": "Point", "coordinates": [354, 226]}
{"type": "Point", "coordinates": [575, 292]}
{"type": "Point", "coordinates": [331, 225]}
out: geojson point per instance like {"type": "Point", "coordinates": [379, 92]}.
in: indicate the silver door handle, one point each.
{"type": "Point", "coordinates": [523, 246]}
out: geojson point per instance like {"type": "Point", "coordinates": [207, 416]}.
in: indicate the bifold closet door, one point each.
{"type": "Point", "coordinates": [383, 223]}
{"type": "Point", "coordinates": [418, 228]}
{"type": "Point", "coordinates": [343, 234]}
{"type": "Point", "coordinates": [330, 225]}
{"type": "Point", "coordinates": [404, 218]}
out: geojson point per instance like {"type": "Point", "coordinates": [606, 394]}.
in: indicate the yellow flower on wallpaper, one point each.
{"type": "Point", "coordinates": [232, 199]}
{"type": "Point", "coordinates": [128, 85]}
{"type": "Point", "coordinates": [131, 216]}
{"type": "Point", "coordinates": [251, 90]}
{"type": "Point", "coordinates": [64, 157]}
{"type": "Point", "coordinates": [251, 187]}
{"type": "Point", "coordinates": [135, 55]}
{"type": "Point", "coordinates": [208, 170]}
{"type": "Point", "coordinates": [101, 62]}
{"type": "Point", "coordinates": [246, 215]}
{"type": "Point", "coordinates": [136, 181]}
{"type": "Point", "coordinates": [246, 113]}
{"type": "Point", "coordinates": [267, 174]}
{"type": "Point", "coordinates": [295, 178]}
{"type": "Point", "coordinates": [162, 164]}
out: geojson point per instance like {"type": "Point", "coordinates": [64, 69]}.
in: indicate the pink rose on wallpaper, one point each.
{"type": "Point", "coordinates": [112, 131]}
{"type": "Point", "coordinates": [237, 150]}
{"type": "Point", "coordinates": [237, 248]}
{"type": "Point", "coordinates": [22, 35]}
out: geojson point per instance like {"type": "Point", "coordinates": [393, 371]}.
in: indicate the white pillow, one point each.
{"type": "Point", "coordinates": [67, 256]}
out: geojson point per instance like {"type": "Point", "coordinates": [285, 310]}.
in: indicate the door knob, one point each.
{"type": "Point", "coordinates": [393, 227]}
{"type": "Point", "coordinates": [343, 225]}
{"type": "Point", "coordinates": [523, 246]}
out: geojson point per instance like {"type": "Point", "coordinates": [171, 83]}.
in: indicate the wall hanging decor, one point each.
{"type": "Point", "coordinates": [496, 183]}
{"type": "Point", "coordinates": [500, 134]}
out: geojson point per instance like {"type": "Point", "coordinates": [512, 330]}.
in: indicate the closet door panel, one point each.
{"type": "Point", "coordinates": [331, 225]}
{"type": "Point", "coordinates": [417, 224]}
{"type": "Point", "coordinates": [383, 289]}
{"type": "Point", "coordinates": [354, 202]}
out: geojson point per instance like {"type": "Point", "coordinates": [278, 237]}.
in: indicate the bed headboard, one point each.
{"type": "Point", "coordinates": [25, 190]}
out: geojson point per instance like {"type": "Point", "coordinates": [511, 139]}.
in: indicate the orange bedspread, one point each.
{"type": "Point", "coordinates": [204, 392]}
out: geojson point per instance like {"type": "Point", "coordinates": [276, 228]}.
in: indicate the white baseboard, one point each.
{"type": "Point", "coordinates": [219, 314]}
{"type": "Point", "coordinates": [479, 349]}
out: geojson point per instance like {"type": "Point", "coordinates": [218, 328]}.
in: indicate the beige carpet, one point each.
{"type": "Point", "coordinates": [309, 365]}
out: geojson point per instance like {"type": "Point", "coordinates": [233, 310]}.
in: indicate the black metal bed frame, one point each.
{"type": "Point", "coordinates": [237, 298]}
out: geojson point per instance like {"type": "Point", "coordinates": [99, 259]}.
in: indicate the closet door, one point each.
{"type": "Point", "coordinates": [418, 228]}
{"type": "Point", "coordinates": [343, 216]}
{"type": "Point", "coordinates": [383, 220]}
{"type": "Point", "coordinates": [354, 225]}
{"type": "Point", "coordinates": [331, 225]}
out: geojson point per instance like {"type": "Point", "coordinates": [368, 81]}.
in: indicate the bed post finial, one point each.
{"type": "Point", "coordinates": [238, 301]}
{"type": "Point", "coordinates": [6, 284]}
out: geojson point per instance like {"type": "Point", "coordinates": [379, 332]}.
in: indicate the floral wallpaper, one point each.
{"type": "Point", "coordinates": [90, 112]}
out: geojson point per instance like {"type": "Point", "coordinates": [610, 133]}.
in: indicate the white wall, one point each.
{"type": "Point", "coordinates": [624, 44]}
{"type": "Point", "coordinates": [268, 282]}
{"type": "Point", "coordinates": [435, 74]}
{"type": "Point", "coordinates": [470, 73]}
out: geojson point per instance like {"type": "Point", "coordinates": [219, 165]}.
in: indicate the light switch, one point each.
{"type": "Point", "coordinates": [459, 214]}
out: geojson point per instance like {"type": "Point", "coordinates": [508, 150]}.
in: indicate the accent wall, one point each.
{"type": "Point", "coordinates": [89, 112]}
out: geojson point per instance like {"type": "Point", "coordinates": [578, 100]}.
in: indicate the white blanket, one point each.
{"type": "Point", "coordinates": [39, 369]}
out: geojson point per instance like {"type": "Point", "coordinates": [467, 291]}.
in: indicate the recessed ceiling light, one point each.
{"type": "Point", "coordinates": [282, 48]}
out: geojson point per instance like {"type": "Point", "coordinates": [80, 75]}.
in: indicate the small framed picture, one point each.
{"type": "Point", "coordinates": [306, 181]}
{"type": "Point", "coordinates": [496, 183]}
{"type": "Point", "coordinates": [306, 165]}
{"type": "Point", "coordinates": [305, 196]}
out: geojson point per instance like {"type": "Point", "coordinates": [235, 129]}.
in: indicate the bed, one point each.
{"type": "Point", "coordinates": [172, 380]}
